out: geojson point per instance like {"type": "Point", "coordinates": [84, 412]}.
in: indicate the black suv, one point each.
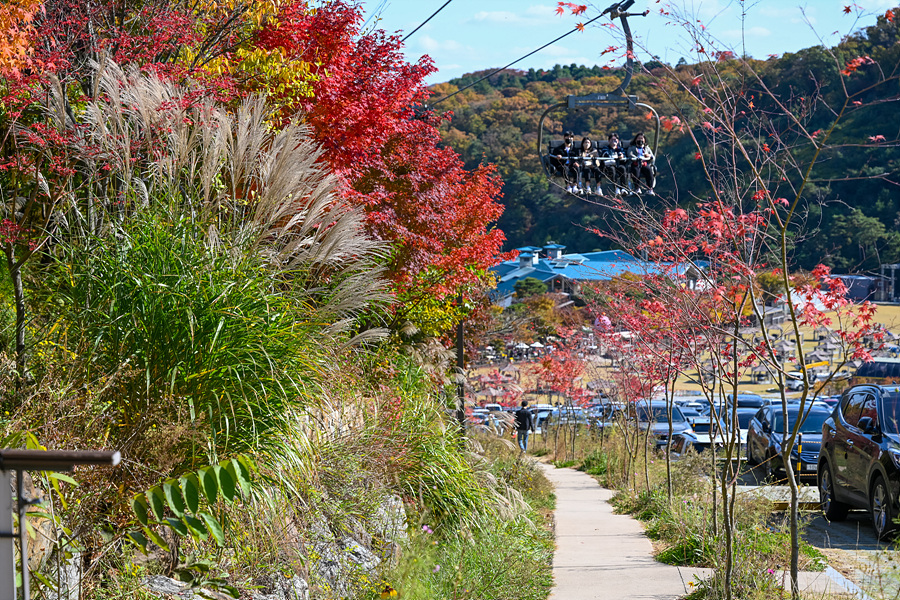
{"type": "Point", "coordinates": [859, 464]}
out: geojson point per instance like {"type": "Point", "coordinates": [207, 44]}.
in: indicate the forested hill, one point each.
{"type": "Point", "coordinates": [854, 200]}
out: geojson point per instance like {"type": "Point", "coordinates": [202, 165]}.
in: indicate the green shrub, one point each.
{"type": "Point", "coordinates": [181, 330]}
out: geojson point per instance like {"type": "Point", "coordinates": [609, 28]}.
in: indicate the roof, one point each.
{"type": "Point", "coordinates": [590, 266]}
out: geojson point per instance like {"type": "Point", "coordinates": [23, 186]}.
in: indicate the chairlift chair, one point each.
{"type": "Point", "coordinates": [617, 100]}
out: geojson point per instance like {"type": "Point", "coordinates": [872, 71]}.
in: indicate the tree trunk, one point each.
{"type": "Point", "coordinates": [795, 519]}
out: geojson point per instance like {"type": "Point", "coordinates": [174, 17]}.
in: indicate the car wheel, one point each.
{"type": "Point", "coordinates": [751, 460]}
{"type": "Point", "coordinates": [833, 509]}
{"type": "Point", "coordinates": [882, 511]}
{"type": "Point", "coordinates": [768, 473]}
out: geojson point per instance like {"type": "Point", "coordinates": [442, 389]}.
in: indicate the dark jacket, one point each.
{"type": "Point", "coordinates": [561, 152]}
{"type": "Point", "coordinates": [608, 152]}
{"type": "Point", "coordinates": [524, 420]}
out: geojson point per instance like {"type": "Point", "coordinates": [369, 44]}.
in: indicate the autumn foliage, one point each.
{"type": "Point", "coordinates": [363, 102]}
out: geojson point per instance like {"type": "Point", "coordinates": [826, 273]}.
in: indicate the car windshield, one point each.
{"type": "Point", "coordinates": [891, 411]}
{"type": "Point", "coordinates": [744, 419]}
{"type": "Point", "coordinates": [811, 424]}
{"type": "Point", "coordinates": [659, 414]}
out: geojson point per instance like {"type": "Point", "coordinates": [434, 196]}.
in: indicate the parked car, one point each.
{"type": "Point", "coordinates": [747, 400]}
{"type": "Point", "coordinates": [707, 431]}
{"type": "Point", "coordinates": [655, 415]}
{"type": "Point", "coordinates": [859, 466]}
{"type": "Point", "coordinates": [540, 412]}
{"type": "Point", "coordinates": [565, 416]}
{"type": "Point", "coordinates": [764, 437]}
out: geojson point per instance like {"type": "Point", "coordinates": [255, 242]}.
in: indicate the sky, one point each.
{"type": "Point", "coordinates": [473, 35]}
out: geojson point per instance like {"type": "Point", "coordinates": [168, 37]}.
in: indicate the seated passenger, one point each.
{"type": "Point", "coordinates": [614, 163]}
{"type": "Point", "coordinates": [564, 161]}
{"type": "Point", "coordinates": [641, 167]}
{"type": "Point", "coordinates": [588, 168]}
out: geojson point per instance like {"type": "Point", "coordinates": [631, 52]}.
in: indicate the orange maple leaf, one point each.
{"type": "Point", "coordinates": [580, 27]}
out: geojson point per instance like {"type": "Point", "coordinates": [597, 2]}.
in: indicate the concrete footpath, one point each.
{"type": "Point", "coordinates": [601, 555]}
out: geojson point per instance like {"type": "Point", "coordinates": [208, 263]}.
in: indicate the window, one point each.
{"type": "Point", "coordinates": [869, 409]}
{"type": "Point", "coordinates": [852, 408]}
{"type": "Point", "coordinates": [890, 409]}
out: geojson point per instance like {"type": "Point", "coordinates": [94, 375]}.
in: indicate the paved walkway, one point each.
{"type": "Point", "coordinates": [601, 555]}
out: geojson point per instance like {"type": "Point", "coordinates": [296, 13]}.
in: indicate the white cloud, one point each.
{"type": "Point", "coordinates": [429, 44]}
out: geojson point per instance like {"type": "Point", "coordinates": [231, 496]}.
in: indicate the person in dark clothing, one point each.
{"type": "Point", "coordinates": [589, 168]}
{"type": "Point", "coordinates": [641, 158]}
{"type": "Point", "coordinates": [524, 424]}
{"type": "Point", "coordinates": [565, 160]}
{"type": "Point", "coordinates": [612, 157]}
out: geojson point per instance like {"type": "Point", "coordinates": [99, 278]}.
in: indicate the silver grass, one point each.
{"type": "Point", "coordinates": [263, 188]}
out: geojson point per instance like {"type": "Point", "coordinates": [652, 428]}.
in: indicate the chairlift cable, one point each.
{"type": "Point", "coordinates": [492, 73]}
{"type": "Point", "coordinates": [426, 20]}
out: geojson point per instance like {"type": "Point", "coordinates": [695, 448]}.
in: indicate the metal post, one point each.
{"type": "Point", "coordinates": [21, 461]}
{"type": "Point", "coordinates": [22, 504]}
{"type": "Point", "coordinates": [7, 544]}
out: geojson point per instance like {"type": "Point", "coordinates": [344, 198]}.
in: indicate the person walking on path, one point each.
{"type": "Point", "coordinates": [524, 424]}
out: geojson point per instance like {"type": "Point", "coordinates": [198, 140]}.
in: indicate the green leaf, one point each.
{"type": "Point", "coordinates": [156, 539]}
{"type": "Point", "coordinates": [190, 485]}
{"type": "Point", "coordinates": [141, 509]}
{"type": "Point", "coordinates": [177, 525]}
{"type": "Point", "coordinates": [226, 483]}
{"type": "Point", "coordinates": [44, 580]}
{"type": "Point", "coordinates": [245, 473]}
{"type": "Point", "coordinates": [236, 471]}
{"type": "Point", "coordinates": [209, 483]}
{"type": "Point", "coordinates": [156, 499]}
{"type": "Point", "coordinates": [197, 527]}
{"type": "Point", "coordinates": [173, 496]}
{"type": "Point", "coordinates": [62, 477]}
{"type": "Point", "coordinates": [215, 530]}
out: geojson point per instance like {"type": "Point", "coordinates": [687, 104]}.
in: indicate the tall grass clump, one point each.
{"type": "Point", "coordinates": [210, 270]}
{"type": "Point", "coordinates": [178, 329]}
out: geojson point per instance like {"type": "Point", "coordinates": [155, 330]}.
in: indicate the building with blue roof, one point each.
{"type": "Point", "coordinates": [563, 272]}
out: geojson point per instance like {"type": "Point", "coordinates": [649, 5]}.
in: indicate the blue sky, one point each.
{"type": "Point", "coordinates": [470, 35]}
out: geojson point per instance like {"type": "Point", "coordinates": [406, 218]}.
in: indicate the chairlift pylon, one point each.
{"type": "Point", "coordinates": [616, 100]}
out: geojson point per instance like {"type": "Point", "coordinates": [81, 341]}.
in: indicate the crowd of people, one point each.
{"type": "Point", "coordinates": [586, 167]}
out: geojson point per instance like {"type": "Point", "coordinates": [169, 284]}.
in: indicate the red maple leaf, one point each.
{"type": "Point", "coordinates": [889, 15]}
{"type": "Point", "coordinates": [876, 138]}
{"type": "Point", "coordinates": [847, 10]}
{"type": "Point", "coordinates": [696, 80]}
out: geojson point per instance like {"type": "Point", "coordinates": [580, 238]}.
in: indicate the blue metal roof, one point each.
{"type": "Point", "coordinates": [590, 266]}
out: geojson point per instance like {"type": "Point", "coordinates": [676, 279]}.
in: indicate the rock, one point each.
{"type": "Point", "coordinates": [363, 558]}
{"type": "Point", "coordinates": [389, 521]}
{"type": "Point", "coordinates": [338, 563]}
{"type": "Point", "coordinates": [169, 588]}
{"type": "Point", "coordinates": [295, 588]}
{"type": "Point", "coordinates": [389, 528]}
{"type": "Point", "coordinates": [70, 579]}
